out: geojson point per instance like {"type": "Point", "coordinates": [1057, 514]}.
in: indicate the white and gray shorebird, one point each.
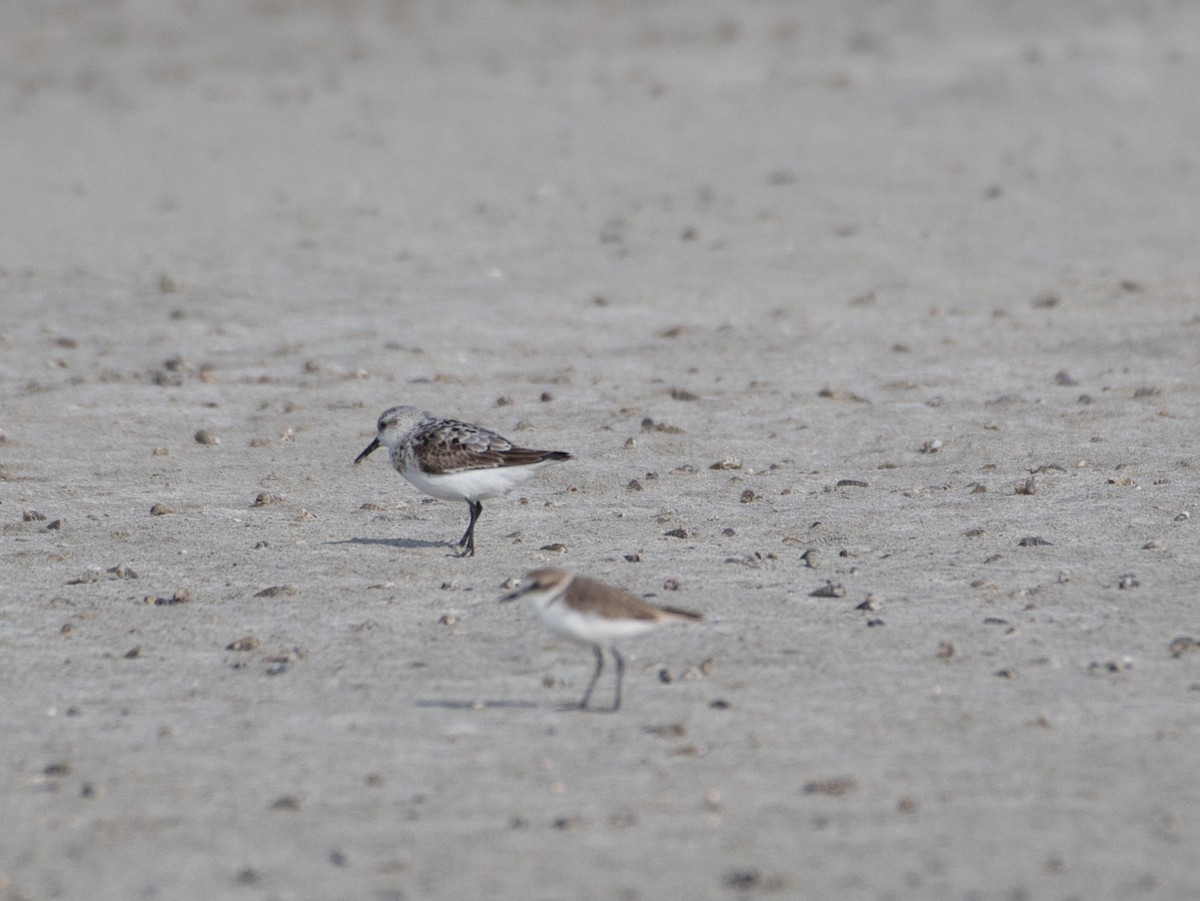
{"type": "Point", "coordinates": [456, 461]}
{"type": "Point", "coordinates": [593, 613]}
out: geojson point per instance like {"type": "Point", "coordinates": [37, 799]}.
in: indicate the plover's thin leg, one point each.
{"type": "Point", "coordinates": [467, 542]}
{"type": "Point", "coordinates": [620, 675]}
{"type": "Point", "coordinates": [587, 695]}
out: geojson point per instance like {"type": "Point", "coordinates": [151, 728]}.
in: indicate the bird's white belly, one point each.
{"type": "Point", "coordinates": [471, 484]}
{"type": "Point", "coordinates": [588, 628]}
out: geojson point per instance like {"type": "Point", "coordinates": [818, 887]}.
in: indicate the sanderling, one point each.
{"type": "Point", "coordinates": [456, 461]}
{"type": "Point", "coordinates": [594, 614]}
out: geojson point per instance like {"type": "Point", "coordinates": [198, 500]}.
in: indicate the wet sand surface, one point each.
{"type": "Point", "coordinates": [874, 329]}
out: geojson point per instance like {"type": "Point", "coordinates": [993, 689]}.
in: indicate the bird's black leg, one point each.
{"type": "Point", "coordinates": [620, 675]}
{"type": "Point", "coordinates": [467, 542]}
{"type": "Point", "coordinates": [587, 695]}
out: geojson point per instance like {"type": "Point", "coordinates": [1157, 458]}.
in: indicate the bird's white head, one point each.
{"type": "Point", "coordinates": [394, 425]}
{"type": "Point", "coordinates": [541, 587]}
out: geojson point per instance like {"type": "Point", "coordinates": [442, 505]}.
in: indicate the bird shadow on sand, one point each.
{"type": "Point", "coordinates": [477, 704]}
{"type": "Point", "coordinates": [481, 704]}
{"type": "Point", "coordinates": [395, 542]}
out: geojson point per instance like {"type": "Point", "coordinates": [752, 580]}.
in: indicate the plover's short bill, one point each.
{"type": "Point", "coordinates": [592, 613]}
{"type": "Point", "coordinates": [456, 461]}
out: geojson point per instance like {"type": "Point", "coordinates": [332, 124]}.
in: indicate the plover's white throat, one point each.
{"type": "Point", "coordinates": [592, 613]}
{"type": "Point", "coordinates": [456, 461]}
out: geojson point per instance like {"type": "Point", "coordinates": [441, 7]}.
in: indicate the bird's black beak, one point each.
{"type": "Point", "coordinates": [366, 453]}
{"type": "Point", "coordinates": [513, 595]}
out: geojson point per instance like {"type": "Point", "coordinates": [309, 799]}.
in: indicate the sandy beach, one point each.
{"type": "Point", "coordinates": [873, 328]}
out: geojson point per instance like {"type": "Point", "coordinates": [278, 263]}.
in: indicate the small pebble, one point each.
{"type": "Point", "coordinates": [249, 643]}
{"type": "Point", "coordinates": [182, 596]}
{"type": "Point", "coordinates": [1182, 645]}
{"type": "Point", "coordinates": [275, 591]}
{"type": "Point", "coordinates": [1120, 665]}
{"type": "Point", "coordinates": [160, 510]}
{"type": "Point", "coordinates": [834, 394]}
{"type": "Point", "coordinates": [204, 436]}
{"type": "Point", "coordinates": [835, 787]}
{"type": "Point", "coordinates": [829, 590]}
{"type": "Point", "coordinates": [741, 880]}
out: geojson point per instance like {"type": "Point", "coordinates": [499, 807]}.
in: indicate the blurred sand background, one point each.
{"type": "Point", "coordinates": [886, 261]}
